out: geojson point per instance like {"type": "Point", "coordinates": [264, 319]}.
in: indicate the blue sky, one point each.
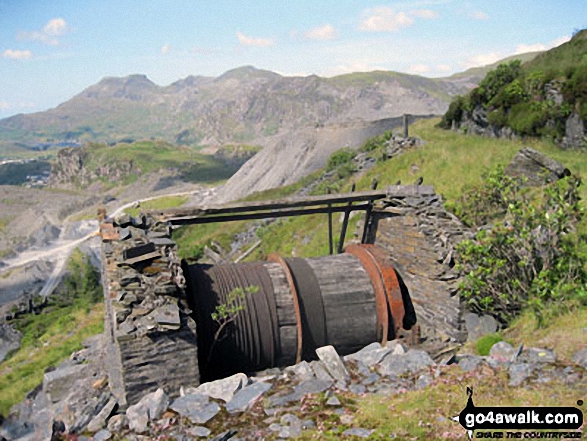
{"type": "Point", "coordinates": [52, 50]}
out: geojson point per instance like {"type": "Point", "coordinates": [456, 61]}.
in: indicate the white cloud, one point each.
{"type": "Point", "coordinates": [560, 41]}
{"type": "Point", "coordinates": [54, 28]}
{"type": "Point", "coordinates": [16, 54]}
{"type": "Point", "coordinates": [523, 48]}
{"type": "Point", "coordinates": [443, 68]}
{"type": "Point", "coordinates": [5, 105]}
{"type": "Point", "coordinates": [326, 32]}
{"type": "Point", "coordinates": [165, 48]}
{"type": "Point", "coordinates": [384, 19]}
{"type": "Point", "coordinates": [418, 69]}
{"type": "Point", "coordinates": [252, 41]}
{"type": "Point", "coordinates": [482, 60]}
{"type": "Point", "coordinates": [424, 13]}
{"type": "Point", "coordinates": [355, 66]}
{"type": "Point", "coordinates": [479, 15]}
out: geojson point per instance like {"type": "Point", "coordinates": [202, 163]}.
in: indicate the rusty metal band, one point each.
{"type": "Point", "coordinates": [372, 268]}
{"type": "Point", "coordinates": [276, 258]}
{"type": "Point", "coordinates": [311, 307]}
{"type": "Point", "coordinates": [391, 282]}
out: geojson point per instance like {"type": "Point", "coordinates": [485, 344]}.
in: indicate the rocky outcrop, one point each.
{"type": "Point", "coordinates": [71, 169]}
{"type": "Point", "coordinates": [476, 123]}
{"type": "Point", "coordinates": [9, 340]}
{"type": "Point", "coordinates": [536, 167]}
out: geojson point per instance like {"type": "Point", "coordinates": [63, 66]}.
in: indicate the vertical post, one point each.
{"type": "Point", "coordinates": [345, 223]}
{"type": "Point", "coordinates": [406, 123]}
{"type": "Point", "coordinates": [330, 239]}
{"type": "Point", "coordinates": [368, 219]}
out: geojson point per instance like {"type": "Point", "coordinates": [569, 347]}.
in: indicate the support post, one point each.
{"type": "Point", "coordinates": [368, 217]}
{"type": "Point", "coordinates": [406, 124]}
{"type": "Point", "coordinates": [330, 238]}
{"type": "Point", "coordinates": [345, 223]}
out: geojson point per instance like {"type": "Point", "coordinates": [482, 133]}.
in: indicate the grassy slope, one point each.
{"type": "Point", "coordinates": [150, 156]}
{"type": "Point", "coordinates": [48, 338]}
{"type": "Point", "coordinates": [449, 161]}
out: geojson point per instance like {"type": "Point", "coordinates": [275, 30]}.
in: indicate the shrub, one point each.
{"type": "Point", "coordinates": [531, 258]}
{"type": "Point", "coordinates": [485, 343]}
{"type": "Point", "coordinates": [340, 157]}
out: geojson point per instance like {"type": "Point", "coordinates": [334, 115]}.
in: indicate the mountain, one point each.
{"type": "Point", "coordinates": [243, 105]}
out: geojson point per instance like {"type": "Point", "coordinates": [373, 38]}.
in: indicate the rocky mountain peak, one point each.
{"type": "Point", "coordinates": [247, 73]}
{"type": "Point", "coordinates": [132, 87]}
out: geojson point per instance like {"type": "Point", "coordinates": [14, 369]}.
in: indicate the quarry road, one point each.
{"type": "Point", "coordinates": [83, 234]}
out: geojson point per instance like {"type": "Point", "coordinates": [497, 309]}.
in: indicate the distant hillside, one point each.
{"type": "Point", "coordinates": [244, 105]}
{"type": "Point", "coordinates": [545, 97]}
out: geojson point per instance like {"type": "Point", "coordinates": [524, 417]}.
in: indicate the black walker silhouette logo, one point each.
{"type": "Point", "coordinates": [520, 418]}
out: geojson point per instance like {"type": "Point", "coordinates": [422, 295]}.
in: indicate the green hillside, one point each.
{"type": "Point", "coordinates": [533, 99]}
{"type": "Point", "coordinates": [124, 162]}
{"type": "Point", "coordinates": [449, 161]}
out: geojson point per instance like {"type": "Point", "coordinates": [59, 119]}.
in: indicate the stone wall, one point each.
{"type": "Point", "coordinates": [420, 236]}
{"type": "Point", "coordinates": [151, 337]}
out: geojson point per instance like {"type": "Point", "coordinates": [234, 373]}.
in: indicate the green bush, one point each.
{"type": "Point", "coordinates": [340, 157]}
{"type": "Point", "coordinates": [531, 258]}
{"type": "Point", "coordinates": [485, 343]}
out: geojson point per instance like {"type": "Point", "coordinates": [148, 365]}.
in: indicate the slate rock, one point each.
{"type": "Point", "coordinates": [99, 421]}
{"type": "Point", "coordinates": [359, 432]}
{"type": "Point", "coordinates": [198, 432]}
{"type": "Point", "coordinates": [223, 389]}
{"type": "Point", "coordinates": [117, 423]}
{"type": "Point", "coordinates": [479, 325]}
{"type": "Point", "coordinates": [537, 355]}
{"type": "Point", "coordinates": [502, 352]}
{"type": "Point", "coordinates": [413, 361]}
{"type": "Point", "coordinates": [469, 362]}
{"type": "Point", "coordinates": [333, 401]}
{"type": "Point", "coordinates": [301, 370]}
{"type": "Point", "coordinates": [580, 358]}
{"type": "Point", "coordinates": [102, 435]}
{"type": "Point", "coordinates": [246, 396]}
{"type": "Point", "coordinates": [196, 407]}
{"type": "Point", "coordinates": [138, 417]}
{"type": "Point", "coordinates": [397, 348]}
{"type": "Point", "coordinates": [519, 372]}
{"type": "Point", "coordinates": [424, 381]}
{"type": "Point", "coordinates": [372, 378]}
{"type": "Point", "coordinates": [357, 389]}
{"type": "Point", "coordinates": [312, 386]}
{"type": "Point", "coordinates": [370, 355]}
{"type": "Point", "coordinates": [320, 371]}
{"type": "Point", "coordinates": [333, 363]}
{"type": "Point", "coordinates": [57, 384]}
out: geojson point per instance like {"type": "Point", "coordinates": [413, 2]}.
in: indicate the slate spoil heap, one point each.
{"type": "Point", "coordinates": [273, 404]}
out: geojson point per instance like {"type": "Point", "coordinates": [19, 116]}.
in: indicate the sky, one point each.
{"type": "Point", "coordinates": [52, 50]}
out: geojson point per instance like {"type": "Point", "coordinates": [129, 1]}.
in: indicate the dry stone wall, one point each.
{"type": "Point", "coordinates": [420, 236]}
{"type": "Point", "coordinates": [151, 337]}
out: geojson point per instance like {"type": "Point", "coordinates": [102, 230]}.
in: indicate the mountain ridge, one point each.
{"type": "Point", "coordinates": [241, 105]}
